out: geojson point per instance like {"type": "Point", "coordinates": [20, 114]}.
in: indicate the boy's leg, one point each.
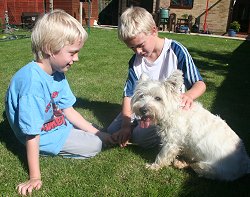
{"type": "Point", "coordinates": [115, 125]}
{"type": "Point", "coordinates": [146, 137]}
{"type": "Point", "coordinates": [81, 144]}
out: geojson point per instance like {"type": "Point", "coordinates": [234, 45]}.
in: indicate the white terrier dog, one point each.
{"type": "Point", "coordinates": [204, 141]}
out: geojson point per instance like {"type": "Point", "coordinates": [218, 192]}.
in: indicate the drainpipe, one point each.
{"type": "Point", "coordinates": [44, 6]}
{"type": "Point", "coordinates": [157, 6]}
{"type": "Point", "coordinates": [89, 15]}
{"type": "Point", "coordinates": [80, 13]}
{"type": "Point", "coordinates": [51, 5]}
{"type": "Point", "coordinates": [205, 20]}
{"type": "Point", "coordinates": [230, 14]}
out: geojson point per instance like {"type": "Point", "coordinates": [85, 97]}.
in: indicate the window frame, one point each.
{"type": "Point", "coordinates": [181, 5]}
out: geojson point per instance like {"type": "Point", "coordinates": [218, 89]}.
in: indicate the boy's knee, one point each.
{"type": "Point", "coordinates": [111, 129]}
{"type": "Point", "coordinates": [115, 125]}
{"type": "Point", "coordinates": [97, 145]}
{"type": "Point", "coordinates": [146, 138]}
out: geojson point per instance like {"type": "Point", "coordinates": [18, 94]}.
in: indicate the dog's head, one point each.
{"type": "Point", "coordinates": [153, 101]}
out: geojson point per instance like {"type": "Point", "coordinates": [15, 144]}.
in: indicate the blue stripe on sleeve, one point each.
{"type": "Point", "coordinates": [131, 80]}
{"type": "Point", "coordinates": [186, 64]}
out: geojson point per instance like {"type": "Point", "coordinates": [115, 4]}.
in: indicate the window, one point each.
{"type": "Point", "coordinates": [184, 4]}
{"type": "Point", "coordinates": [147, 4]}
{"type": "Point", "coordinates": [133, 3]}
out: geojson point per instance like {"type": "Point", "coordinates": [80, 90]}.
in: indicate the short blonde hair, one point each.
{"type": "Point", "coordinates": [53, 31]}
{"type": "Point", "coordinates": [133, 21]}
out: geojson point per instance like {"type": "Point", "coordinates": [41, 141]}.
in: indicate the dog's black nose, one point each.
{"type": "Point", "coordinates": [143, 110]}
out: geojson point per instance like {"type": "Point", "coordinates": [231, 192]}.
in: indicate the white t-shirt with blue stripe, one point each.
{"type": "Point", "coordinates": [173, 56]}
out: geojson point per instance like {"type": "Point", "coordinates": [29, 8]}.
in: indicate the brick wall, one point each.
{"type": "Point", "coordinates": [94, 10]}
{"type": "Point", "coordinates": [15, 9]}
{"type": "Point", "coordinates": [2, 10]}
{"type": "Point", "coordinates": [72, 7]}
{"type": "Point", "coordinates": [217, 17]}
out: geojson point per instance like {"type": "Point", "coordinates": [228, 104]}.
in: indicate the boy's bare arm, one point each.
{"type": "Point", "coordinates": [32, 148]}
{"type": "Point", "coordinates": [123, 135]}
{"type": "Point", "coordinates": [78, 121]}
{"type": "Point", "coordinates": [126, 112]}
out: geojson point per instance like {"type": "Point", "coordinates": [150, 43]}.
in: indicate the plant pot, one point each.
{"type": "Point", "coordinates": [90, 22]}
{"type": "Point", "coordinates": [231, 33]}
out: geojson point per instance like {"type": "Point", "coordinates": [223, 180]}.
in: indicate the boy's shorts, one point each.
{"type": "Point", "coordinates": [81, 145]}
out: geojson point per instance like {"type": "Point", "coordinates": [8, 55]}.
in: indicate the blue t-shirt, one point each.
{"type": "Point", "coordinates": [34, 101]}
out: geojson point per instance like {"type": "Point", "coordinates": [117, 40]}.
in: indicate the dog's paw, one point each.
{"type": "Point", "coordinates": [153, 166]}
{"type": "Point", "coordinates": [179, 164]}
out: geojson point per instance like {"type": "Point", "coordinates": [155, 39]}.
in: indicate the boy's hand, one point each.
{"type": "Point", "coordinates": [122, 136]}
{"type": "Point", "coordinates": [28, 186]}
{"type": "Point", "coordinates": [186, 101]}
{"type": "Point", "coordinates": [106, 138]}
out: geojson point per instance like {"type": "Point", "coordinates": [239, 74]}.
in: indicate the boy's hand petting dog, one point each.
{"type": "Point", "coordinates": [33, 183]}
{"type": "Point", "coordinates": [186, 101]}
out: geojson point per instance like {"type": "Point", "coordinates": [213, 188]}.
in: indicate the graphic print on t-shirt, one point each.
{"type": "Point", "coordinates": [57, 118]}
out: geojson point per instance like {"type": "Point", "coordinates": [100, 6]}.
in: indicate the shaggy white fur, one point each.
{"type": "Point", "coordinates": [205, 142]}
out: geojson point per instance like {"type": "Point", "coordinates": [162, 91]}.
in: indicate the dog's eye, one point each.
{"type": "Point", "coordinates": [158, 98]}
{"type": "Point", "coordinates": [141, 96]}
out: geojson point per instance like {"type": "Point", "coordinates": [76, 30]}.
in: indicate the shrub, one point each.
{"type": "Point", "coordinates": [184, 16]}
{"type": "Point", "coordinates": [235, 26]}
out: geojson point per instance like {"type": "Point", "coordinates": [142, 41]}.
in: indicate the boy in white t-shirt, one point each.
{"type": "Point", "coordinates": [158, 57]}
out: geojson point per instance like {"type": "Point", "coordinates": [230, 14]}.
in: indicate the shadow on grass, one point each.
{"type": "Point", "coordinates": [197, 187]}
{"type": "Point", "coordinates": [8, 138]}
{"type": "Point", "coordinates": [219, 65]}
{"type": "Point", "coordinates": [232, 104]}
{"type": "Point", "coordinates": [232, 100]}
{"type": "Point", "coordinates": [105, 112]}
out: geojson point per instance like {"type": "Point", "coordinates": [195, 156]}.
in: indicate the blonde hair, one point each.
{"type": "Point", "coordinates": [133, 21]}
{"type": "Point", "coordinates": [53, 31]}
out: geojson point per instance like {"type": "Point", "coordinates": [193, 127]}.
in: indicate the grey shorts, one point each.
{"type": "Point", "coordinates": [81, 145]}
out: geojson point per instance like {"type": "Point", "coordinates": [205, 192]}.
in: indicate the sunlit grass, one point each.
{"type": "Point", "coordinates": [97, 81]}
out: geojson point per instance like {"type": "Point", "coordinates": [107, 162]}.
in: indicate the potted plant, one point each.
{"type": "Point", "coordinates": [234, 27]}
{"type": "Point", "coordinates": [185, 16]}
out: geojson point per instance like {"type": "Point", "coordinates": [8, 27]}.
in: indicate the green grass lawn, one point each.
{"type": "Point", "coordinates": [97, 81]}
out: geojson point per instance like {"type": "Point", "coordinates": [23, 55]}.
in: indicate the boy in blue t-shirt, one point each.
{"type": "Point", "coordinates": [39, 100]}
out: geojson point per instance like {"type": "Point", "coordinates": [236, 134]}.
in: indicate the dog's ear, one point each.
{"type": "Point", "coordinates": [144, 77]}
{"type": "Point", "coordinates": [175, 80]}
